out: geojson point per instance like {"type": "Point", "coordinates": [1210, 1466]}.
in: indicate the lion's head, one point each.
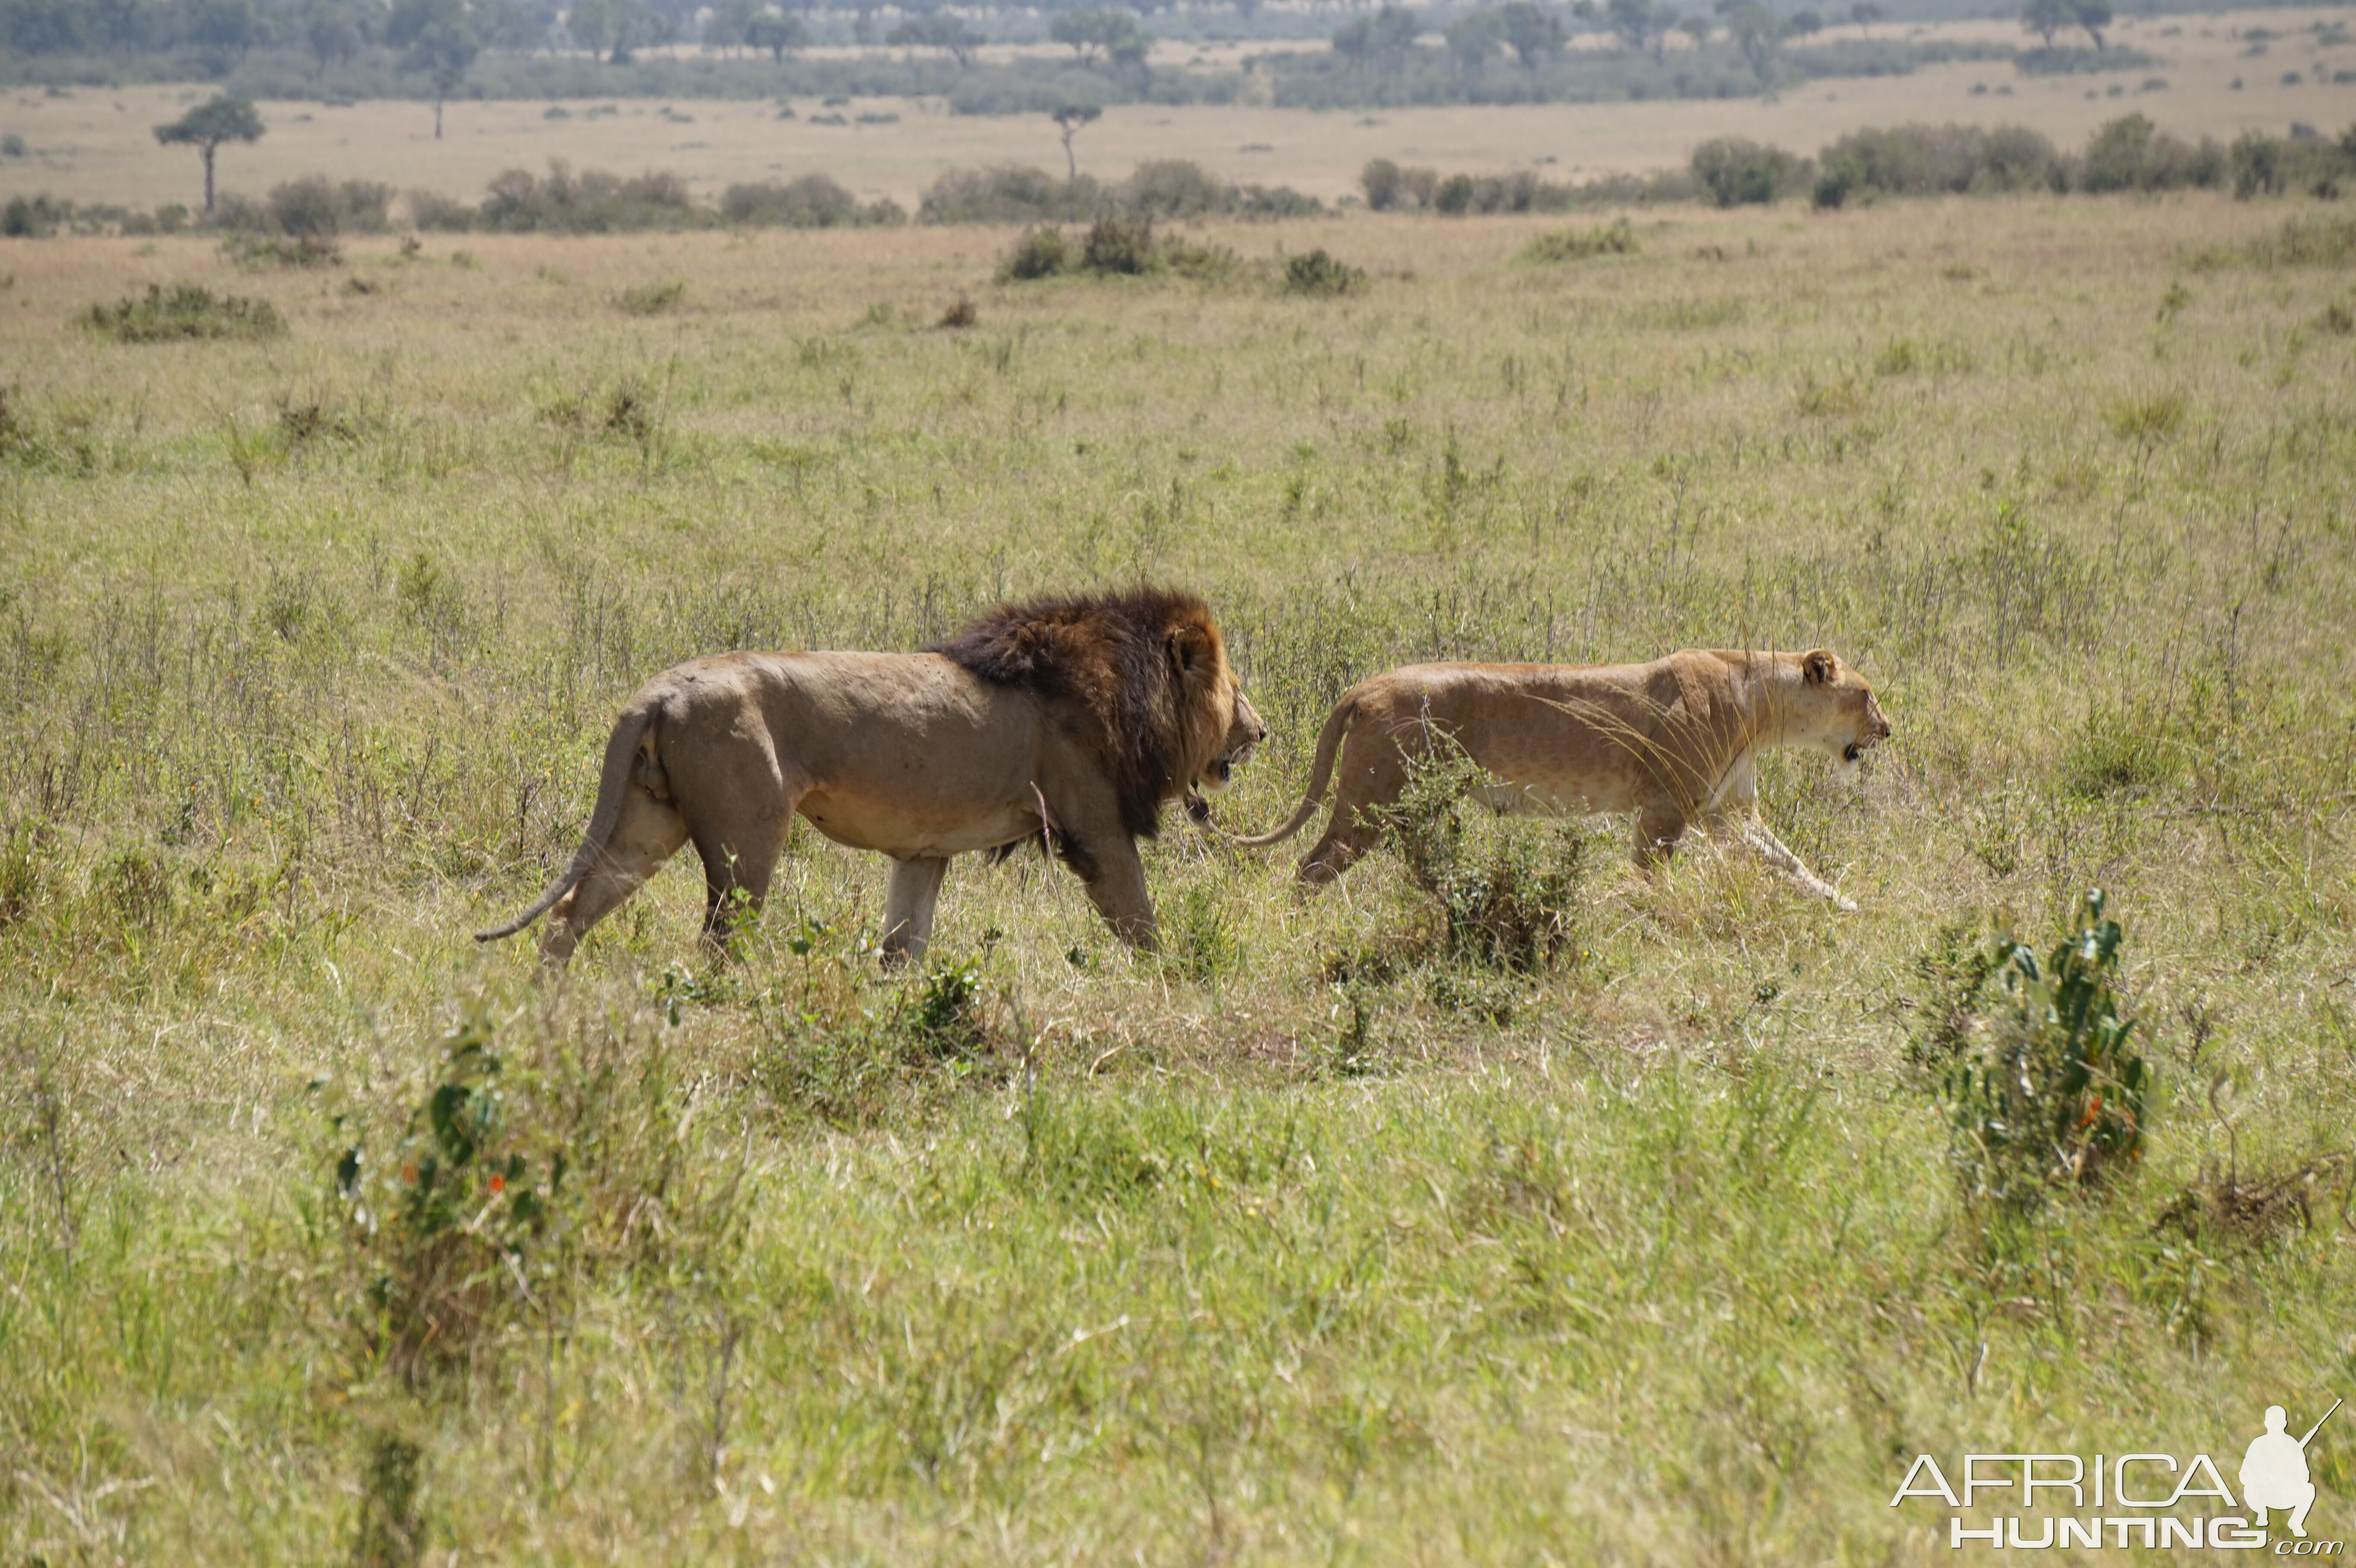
{"type": "Point", "coordinates": [1836, 711]}
{"type": "Point", "coordinates": [1147, 678]}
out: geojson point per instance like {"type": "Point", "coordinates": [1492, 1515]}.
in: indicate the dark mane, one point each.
{"type": "Point", "coordinates": [1109, 656]}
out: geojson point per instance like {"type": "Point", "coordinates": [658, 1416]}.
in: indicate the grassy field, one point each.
{"type": "Point", "coordinates": [1300, 1242]}
{"type": "Point", "coordinates": [96, 144]}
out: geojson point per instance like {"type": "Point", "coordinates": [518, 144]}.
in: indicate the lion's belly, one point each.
{"type": "Point", "coordinates": [916, 827]}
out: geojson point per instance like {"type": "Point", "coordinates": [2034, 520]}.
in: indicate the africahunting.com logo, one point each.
{"type": "Point", "coordinates": [2134, 1500]}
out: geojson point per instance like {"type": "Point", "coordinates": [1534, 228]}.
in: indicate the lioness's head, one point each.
{"type": "Point", "coordinates": [1834, 711]}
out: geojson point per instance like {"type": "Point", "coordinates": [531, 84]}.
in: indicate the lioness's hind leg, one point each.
{"type": "Point", "coordinates": [1659, 827]}
{"type": "Point", "coordinates": [648, 833]}
{"type": "Point", "coordinates": [909, 902]}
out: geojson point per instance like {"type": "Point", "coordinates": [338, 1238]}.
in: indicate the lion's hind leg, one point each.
{"type": "Point", "coordinates": [648, 833]}
{"type": "Point", "coordinates": [736, 872]}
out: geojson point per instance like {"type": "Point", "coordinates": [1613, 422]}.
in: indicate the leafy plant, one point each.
{"type": "Point", "coordinates": [652, 299]}
{"type": "Point", "coordinates": [185, 311]}
{"type": "Point", "coordinates": [1617, 237]}
{"type": "Point", "coordinates": [1039, 253]}
{"type": "Point", "coordinates": [1317, 273]}
{"type": "Point", "coordinates": [1510, 907]}
{"type": "Point", "coordinates": [2047, 1090]}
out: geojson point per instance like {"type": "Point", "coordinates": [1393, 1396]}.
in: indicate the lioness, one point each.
{"type": "Point", "coordinates": [1674, 740]}
{"type": "Point", "coordinates": [1066, 722]}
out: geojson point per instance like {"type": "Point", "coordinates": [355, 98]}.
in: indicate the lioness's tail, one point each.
{"type": "Point", "coordinates": [1321, 773]}
{"type": "Point", "coordinates": [621, 748]}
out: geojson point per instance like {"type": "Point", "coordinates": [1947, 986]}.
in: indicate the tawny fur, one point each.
{"type": "Point", "coordinates": [1071, 720]}
{"type": "Point", "coordinates": [1675, 741]}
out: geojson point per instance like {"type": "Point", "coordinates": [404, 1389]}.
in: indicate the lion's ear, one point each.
{"type": "Point", "coordinates": [1818, 666]}
{"type": "Point", "coordinates": [1194, 650]}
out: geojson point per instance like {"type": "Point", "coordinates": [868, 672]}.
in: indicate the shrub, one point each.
{"type": "Point", "coordinates": [1119, 245]}
{"type": "Point", "coordinates": [1617, 237]}
{"type": "Point", "coordinates": [1734, 172]}
{"type": "Point", "coordinates": [255, 251]}
{"type": "Point", "coordinates": [2320, 241]}
{"type": "Point", "coordinates": [841, 1045]}
{"type": "Point", "coordinates": [314, 206]}
{"type": "Point", "coordinates": [593, 202]}
{"type": "Point", "coordinates": [1319, 274]}
{"type": "Point", "coordinates": [2042, 1085]}
{"type": "Point", "coordinates": [1008, 194]}
{"type": "Point", "coordinates": [813, 201]}
{"type": "Point", "coordinates": [185, 311]}
{"type": "Point", "coordinates": [432, 210]}
{"type": "Point", "coordinates": [1389, 187]}
{"type": "Point", "coordinates": [1923, 160]}
{"type": "Point", "coordinates": [1174, 187]}
{"type": "Point", "coordinates": [652, 299]}
{"type": "Point", "coordinates": [2132, 154]}
{"type": "Point", "coordinates": [1040, 253]}
{"type": "Point", "coordinates": [1509, 907]}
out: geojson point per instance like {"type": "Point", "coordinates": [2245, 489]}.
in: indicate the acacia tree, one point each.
{"type": "Point", "coordinates": [1530, 33]}
{"type": "Point", "coordinates": [938, 31]}
{"type": "Point", "coordinates": [2045, 18]}
{"type": "Point", "coordinates": [1114, 32]}
{"type": "Point", "coordinates": [439, 38]}
{"type": "Point", "coordinates": [207, 126]}
{"type": "Point", "coordinates": [1069, 119]}
{"type": "Point", "coordinates": [1755, 30]}
{"type": "Point", "coordinates": [1386, 36]}
{"type": "Point", "coordinates": [2092, 14]}
{"type": "Point", "coordinates": [777, 32]}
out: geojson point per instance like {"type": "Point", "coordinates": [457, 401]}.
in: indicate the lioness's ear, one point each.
{"type": "Point", "coordinates": [1817, 666]}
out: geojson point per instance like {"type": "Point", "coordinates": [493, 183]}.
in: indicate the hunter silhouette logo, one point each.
{"type": "Point", "coordinates": [2151, 1500]}
{"type": "Point", "coordinates": [2274, 1472]}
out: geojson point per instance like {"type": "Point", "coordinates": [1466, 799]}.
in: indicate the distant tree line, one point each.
{"type": "Point", "coordinates": [1516, 51]}
{"type": "Point", "coordinates": [594, 202]}
{"type": "Point", "coordinates": [2129, 154]}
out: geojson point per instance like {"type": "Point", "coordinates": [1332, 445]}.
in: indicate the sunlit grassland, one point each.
{"type": "Point", "coordinates": [310, 645]}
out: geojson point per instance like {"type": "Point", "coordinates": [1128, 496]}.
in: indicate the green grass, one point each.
{"type": "Point", "coordinates": [1278, 1246]}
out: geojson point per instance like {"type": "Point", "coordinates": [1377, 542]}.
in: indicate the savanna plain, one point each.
{"type": "Point", "coordinates": [325, 1233]}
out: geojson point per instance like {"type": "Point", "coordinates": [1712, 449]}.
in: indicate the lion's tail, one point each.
{"type": "Point", "coordinates": [1329, 741]}
{"type": "Point", "coordinates": [621, 748]}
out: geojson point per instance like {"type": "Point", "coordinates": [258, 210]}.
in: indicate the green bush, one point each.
{"type": "Point", "coordinates": [2132, 154]}
{"type": "Point", "coordinates": [1318, 274]}
{"type": "Point", "coordinates": [2042, 1085]}
{"type": "Point", "coordinates": [1925, 160]}
{"type": "Point", "coordinates": [1509, 905]}
{"type": "Point", "coordinates": [652, 299]}
{"type": "Point", "coordinates": [316, 206]}
{"type": "Point", "coordinates": [1617, 237]}
{"type": "Point", "coordinates": [1733, 172]}
{"type": "Point", "coordinates": [813, 201]}
{"type": "Point", "coordinates": [1118, 246]}
{"type": "Point", "coordinates": [184, 311]}
{"type": "Point", "coordinates": [1040, 253]}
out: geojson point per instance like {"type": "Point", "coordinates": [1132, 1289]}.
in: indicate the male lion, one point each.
{"type": "Point", "coordinates": [1068, 722]}
{"type": "Point", "coordinates": [1673, 740]}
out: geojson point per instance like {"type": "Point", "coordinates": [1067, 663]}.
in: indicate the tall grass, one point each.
{"type": "Point", "coordinates": [1236, 1251]}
